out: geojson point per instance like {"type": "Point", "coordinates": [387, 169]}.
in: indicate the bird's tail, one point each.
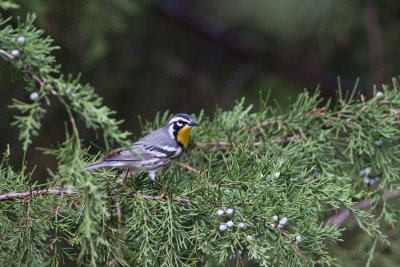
{"type": "Point", "coordinates": [96, 165]}
{"type": "Point", "coordinates": [104, 164]}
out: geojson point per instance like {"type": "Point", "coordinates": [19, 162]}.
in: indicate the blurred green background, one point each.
{"type": "Point", "coordinates": [185, 56]}
{"type": "Point", "coordinates": [149, 56]}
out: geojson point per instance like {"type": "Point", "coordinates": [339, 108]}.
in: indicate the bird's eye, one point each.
{"type": "Point", "coordinates": [180, 122]}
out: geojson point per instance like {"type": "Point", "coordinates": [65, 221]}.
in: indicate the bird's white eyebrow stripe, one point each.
{"type": "Point", "coordinates": [177, 119]}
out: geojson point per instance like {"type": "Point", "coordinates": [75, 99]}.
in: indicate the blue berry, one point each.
{"type": "Point", "coordinates": [33, 96]}
{"type": "Point", "coordinates": [299, 239]}
{"type": "Point", "coordinates": [222, 227]}
{"type": "Point", "coordinates": [15, 53]}
{"type": "Point", "coordinates": [21, 39]}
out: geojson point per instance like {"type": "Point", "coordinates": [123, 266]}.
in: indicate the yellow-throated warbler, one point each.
{"type": "Point", "coordinates": [154, 151]}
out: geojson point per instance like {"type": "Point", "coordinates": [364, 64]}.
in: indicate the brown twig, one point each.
{"type": "Point", "coordinates": [284, 233]}
{"type": "Point", "coordinates": [217, 144]}
{"type": "Point", "coordinates": [28, 70]}
{"type": "Point", "coordinates": [34, 76]}
{"type": "Point", "coordinates": [263, 124]}
{"type": "Point", "coordinates": [186, 166]}
{"type": "Point", "coordinates": [249, 203]}
{"type": "Point", "coordinates": [295, 245]}
{"type": "Point", "coordinates": [178, 199]}
{"type": "Point", "coordinates": [222, 144]}
{"type": "Point", "coordinates": [301, 254]}
{"type": "Point", "coordinates": [315, 112]}
{"type": "Point", "coordinates": [288, 139]}
{"type": "Point", "coordinates": [6, 54]}
{"type": "Point", "coordinates": [338, 219]}
{"type": "Point", "coordinates": [14, 195]}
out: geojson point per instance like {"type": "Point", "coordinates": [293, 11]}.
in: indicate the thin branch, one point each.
{"type": "Point", "coordinates": [6, 54]}
{"type": "Point", "coordinates": [301, 254]}
{"type": "Point", "coordinates": [263, 124]}
{"type": "Point", "coordinates": [178, 199]}
{"type": "Point", "coordinates": [29, 71]}
{"type": "Point", "coordinates": [34, 76]}
{"type": "Point", "coordinates": [186, 166]}
{"type": "Point", "coordinates": [220, 185]}
{"type": "Point", "coordinates": [222, 144]}
{"type": "Point", "coordinates": [338, 219]}
{"type": "Point", "coordinates": [288, 139]}
{"type": "Point", "coordinates": [217, 144]}
{"type": "Point", "coordinates": [295, 245]}
{"type": "Point", "coordinates": [284, 233]}
{"type": "Point", "coordinates": [315, 112]}
{"type": "Point", "coordinates": [14, 195]}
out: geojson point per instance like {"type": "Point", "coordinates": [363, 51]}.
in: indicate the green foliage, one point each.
{"type": "Point", "coordinates": [302, 164]}
{"type": "Point", "coordinates": [30, 123]}
{"type": "Point", "coordinates": [4, 4]}
{"type": "Point", "coordinates": [37, 66]}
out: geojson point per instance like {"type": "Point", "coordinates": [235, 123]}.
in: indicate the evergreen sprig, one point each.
{"type": "Point", "coordinates": [31, 54]}
{"type": "Point", "coordinates": [261, 183]}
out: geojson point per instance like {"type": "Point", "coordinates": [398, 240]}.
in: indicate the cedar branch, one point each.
{"type": "Point", "coordinates": [338, 219]}
{"type": "Point", "coordinates": [188, 167]}
{"type": "Point", "coordinates": [61, 192]}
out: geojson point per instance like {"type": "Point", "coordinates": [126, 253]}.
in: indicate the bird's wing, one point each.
{"type": "Point", "coordinates": [160, 144]}
{"type": "Point", "coordinates": [156, 145]}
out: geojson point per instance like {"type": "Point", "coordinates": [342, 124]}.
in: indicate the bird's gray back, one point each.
{"type": "Point", "coordinates": [158, 144]}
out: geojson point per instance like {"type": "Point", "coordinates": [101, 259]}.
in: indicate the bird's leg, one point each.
{"type": "Point", "coordinates": [118, 178]}
{"type": "Point", "coordinates": [126, 175]}
{"type": "Point", "coordinates": [152, 175]}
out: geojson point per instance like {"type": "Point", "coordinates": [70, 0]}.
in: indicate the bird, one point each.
{"type": "Point", "coordinates": [153, 152]}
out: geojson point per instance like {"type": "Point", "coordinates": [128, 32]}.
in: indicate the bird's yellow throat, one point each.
{"type": "Point", "coordinates": [183, 135]}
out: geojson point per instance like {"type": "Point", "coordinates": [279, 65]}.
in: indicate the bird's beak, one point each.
{"type": "Point", "coordinates": [192, 123]}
